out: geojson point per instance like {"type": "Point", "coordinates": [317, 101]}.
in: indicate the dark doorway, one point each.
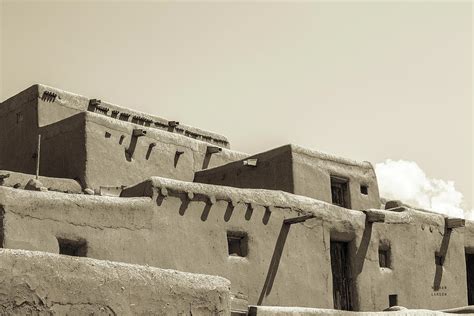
{"type": "Point", "coordinates": [470, 278]}
{"type": "Point", "coordinates": [340, 192]}
{"type": "Point", "coordinates": [341, 282]}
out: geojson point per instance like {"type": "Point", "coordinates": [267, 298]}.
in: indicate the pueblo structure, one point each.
{"type": "Point", "coordinates": [109, 211]}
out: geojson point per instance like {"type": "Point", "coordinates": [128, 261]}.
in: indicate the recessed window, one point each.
{"type": "Point", "coordinates": [75, 248]}
{"type": "Point", "coordinates": [364, 189]}
{"type": "Point", "coordinates": [237, 243]}
{"type": "Point", "coordinates": [340, 192]}
{"type": "Point", "coordinates": [385, 260]}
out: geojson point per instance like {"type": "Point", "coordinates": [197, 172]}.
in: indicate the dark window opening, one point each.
{"type": "Point", "coordinates": [385, 257]}
{"type": "Point", "coordinates": [470, 278]}
{"type": "Point", "coordinates": [341, 280]}
{"type": "Point", "coordinates": [340, 192]}
{"type": "Point", "coordinates": [392, 300]}
{"type": "Point", "coordinates": [364, 189]}
{"type": "Point", "coordinates": [107, 135]}
{"type": "Point", "coordinates": [76, 248]}
{"type": "Point", "coordinates": [237, 243]}
{"type": "Point", "coordinates": [439, 259]}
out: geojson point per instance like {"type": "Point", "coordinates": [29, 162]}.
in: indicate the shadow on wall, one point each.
{"type": "Point", "coordinates": [440, 257]}
{"type": "Point", "coordinates": [361, 252]}
{"type": "Point", "coordinates": [2, 216]}
{"type": "Point", "coordinates": [275, 262]}
{"type": "Point", "coordinates": [277, 253]}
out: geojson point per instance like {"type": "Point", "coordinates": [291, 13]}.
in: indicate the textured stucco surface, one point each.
{"type": "Point", "coordinates": [75, 143]}
{"type": "Point", "coordinates": [108, 165]}
{"type": "Point", "coordinates": [300, 311]}
{"type": "Point", "coordinates": [19, 132]}
{"type": "Point", "coordinates": [300, 171]}
{"type": "Point", "coordinates": [38, 283]}
{"type": "Point", "coordinates": [67, 104]}
{"type": "Point", "coordinates": [183, 226]}
{"type": "Point", "coordinates": [18, 179]}
{"type": "Point", "coordinates": [170, 222]}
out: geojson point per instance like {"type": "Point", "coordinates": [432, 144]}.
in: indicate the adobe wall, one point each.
{"type": "Point", "coordinates": [53, 105]}
{"type": "Point", "coordinates": [301, 311]}
{"type": "Point", "coordinates": [59, 117]}
{"type": "Point", "coordinates": [158, 153]}
{"type": "Point", "coordinates": [312, 169]}
{"type": "Point", "coordinates": [36, 283]}
{"type": "Point", "coordinates": [19, 132]}
{"type": "Point", "coordinates": [273, 172]}
{"type": "Point", "coordinates": [20, 180]}
{"type": "Point", "coordinates": [183, 226]}
{"type": "Point", "coordinates": [300, 171]}
{"type": "Point", "coordinates": [63, 149]}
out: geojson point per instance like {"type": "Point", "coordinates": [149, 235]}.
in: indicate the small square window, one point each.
{"type": "Point", "coordinates": [76, 248]}
{"type": "Point", "coordinates": [237, 243]}
{"type": "Point", "coordinates": [364, 189]}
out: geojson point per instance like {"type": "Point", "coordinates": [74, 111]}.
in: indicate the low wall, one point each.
{"type": "Point", "coordinates": [19, 180]}
{"type": "Point", "coordinates": [299, 311]}
{"type": "Point", "coordinates": [42, 283]}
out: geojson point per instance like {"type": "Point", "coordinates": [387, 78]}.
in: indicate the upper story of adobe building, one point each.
{"type": "Point", "coordinates": [106, 147]}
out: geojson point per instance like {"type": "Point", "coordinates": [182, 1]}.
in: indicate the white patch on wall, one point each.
{"type": "Point", "coordinates": [406, 181]}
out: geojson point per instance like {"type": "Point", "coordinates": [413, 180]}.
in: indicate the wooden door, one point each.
{"type": "Point", "coordinates": [341, 282]}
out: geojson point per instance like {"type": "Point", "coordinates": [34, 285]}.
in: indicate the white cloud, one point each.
{"type": "Point", "coordinates": [406, 181]}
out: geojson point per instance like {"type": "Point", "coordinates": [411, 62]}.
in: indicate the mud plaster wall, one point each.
{"type": "Point", "coordinates": [172, 156]}
{"type": "Point", "coordinates": [18, 132]}
{"type": "Point", "coordinates": [413, 238]}
{"type": "Point", "coordinates": [301, 311]}
{"type": "Point", "coordinates": [312, 177]}
{"type": "Point", "coordinates": [66, 104]}
{"type": "Point", "coordinates": [136, 230]}
{"type": "Point", "coordinates": [42, 283]}
{"type": "Point", "coordinates": [297, 170]}
{"type": "Point", "coordinates": [20, 180]}
{"type": "Point", "coordinates": [188, 232]}
{"type": "Point", "coordinates": [63, 149]}
{"type": "Point", "coordinates": [273, 172]}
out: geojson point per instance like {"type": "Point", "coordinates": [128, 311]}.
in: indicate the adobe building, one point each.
{"type": "Point", "coordinates": [301, 171]}
{"type": "Point", "coordinates": [287, 232]}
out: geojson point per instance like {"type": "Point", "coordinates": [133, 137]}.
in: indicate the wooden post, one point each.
{"type": "Point", "coordinates": [451, 222]}
{"type": "Point", "coordinates": [374, 216]}
{"type": "Point", "coordinates": [299, 219]}
{"type": "Point", "coordinates": [38, 157]}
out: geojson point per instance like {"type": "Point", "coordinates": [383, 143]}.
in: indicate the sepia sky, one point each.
{"type": "Point", "coordinates": [369, 81]}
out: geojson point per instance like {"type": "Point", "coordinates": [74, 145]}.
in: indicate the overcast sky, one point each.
{"type": "Point", "coordinates": [362, 80]}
